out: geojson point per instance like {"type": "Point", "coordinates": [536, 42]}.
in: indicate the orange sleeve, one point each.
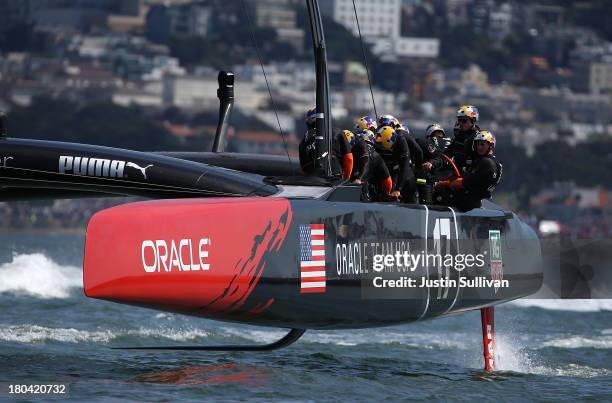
{"type": "Point", "coordinates": [387, 185]}
{"type": "Point", "coordinates": [347, 165]}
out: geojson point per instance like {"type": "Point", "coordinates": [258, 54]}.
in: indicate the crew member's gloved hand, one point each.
{"type": "Point", "coordinates": [427, 166]}
{"type": "Point", "coordinates": [440, 184]}
{"type": "Point", "coordinates": [395, 193]}
{"type": "Point", "coordinates": [457, 184]}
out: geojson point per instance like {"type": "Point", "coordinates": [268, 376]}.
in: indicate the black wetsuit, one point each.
{"type": "Point", "coordinates": [308, 153]}
{"type": "Point", "coordinates": [369, 167]}
{"type": "Point", "coordinates": [399, 163]}
{"type": "Point", "coordinates": [340, 147]}
{"type": "Point", "coordinates": [416, 153]}
{"type": "Point", "coordinates": [461, 148]}
{"type": "Point", "coordinates": [433, 151]}
{"type": "Point", "coordinates": [479, 182]}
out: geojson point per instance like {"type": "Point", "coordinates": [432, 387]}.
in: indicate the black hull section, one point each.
{"type": "Point", "coordinates": [266, 165]}
{"type": "Point", "coordinates": [349, 300]}
{"type": "Point", "coordinates": [32, 169]}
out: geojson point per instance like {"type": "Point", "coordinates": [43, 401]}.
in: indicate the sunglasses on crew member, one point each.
{"type": "Point", "coordinates": [463, 120]}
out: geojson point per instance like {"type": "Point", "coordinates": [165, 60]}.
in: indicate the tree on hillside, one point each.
{"type": "Point", "coordinates": [100, 123]}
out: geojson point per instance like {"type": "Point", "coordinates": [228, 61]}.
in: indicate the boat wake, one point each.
{"type": "Point", "coordinates": [573, 305]}
{"type": "Point", "coordinates": [596, 342]}
{"type": "Point", "coordinates": [30, 333]}
{"type": "Point", "coordinates": [39, 334]}
{"type": "Point", "coordinates": [361, 337]}
{"type": "Point", "coordinates": [513, 354]}
{"type": "Point", "coordinates": [38, 276]}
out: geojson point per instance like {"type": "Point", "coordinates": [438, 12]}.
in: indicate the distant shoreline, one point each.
{"type": "Point", "coordinates": [45, 231]}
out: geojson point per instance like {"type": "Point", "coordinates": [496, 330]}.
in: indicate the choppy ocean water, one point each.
{"type": "Point", "coordinates": [50, 332]}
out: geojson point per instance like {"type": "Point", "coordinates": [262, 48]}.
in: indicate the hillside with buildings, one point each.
{"type": "Point", "coordinates": [143, 74]}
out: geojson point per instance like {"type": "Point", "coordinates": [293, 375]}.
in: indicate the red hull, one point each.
{"type": "Point", "coordinates": [197, 255]}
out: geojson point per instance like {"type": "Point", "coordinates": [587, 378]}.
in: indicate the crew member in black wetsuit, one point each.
{"type": "Point", "coordinates": [388, 120]}
{"type": "Point", "coordinates": [366, 123]}
{"type": "Point", "coordinates": [480, 178]}
{"type": "Point", "coordinates": [342, 151]}
{"type": "Point", "coordinates": [433, 148]}
{"type": "Point", "coordinates": [308, 149]}
{"type": "Point", "coordinates": [394, 150]}
{"type": "Point", "coordinates": [341, 157]}
{"type": "Point", "coordinates": [460, 149]}
{"type": "Point", "coordinates": [416, 154]}
{"type": "Point", "coordinates": [370, 170]}
{"type": "Point", "coordinates": [433, 160]}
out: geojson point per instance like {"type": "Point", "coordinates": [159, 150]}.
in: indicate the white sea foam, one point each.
{"type": "Point", "coordinates": [403, 338]}
{"type": "Point", "coordinates": [358, 337]}
{"type": "Point", "coordinates": [575, 305]}
{"type": "Point", "coordinates": [260, 336]}
{"type": "Point", "coordinates": [596, 342]}
{"type": "Point", "coordinates": [511, 355]}
{"type": "Point", "coordinates": [571, 370]}
{"type": "Point", "coordinates": [170, 333]}
{"type": "Point", "coordinates": [37, 275]}
{"type": "Point", "coordinates": [41, 334]}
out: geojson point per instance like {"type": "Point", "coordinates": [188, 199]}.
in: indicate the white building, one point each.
{"type": "Point", "coordinates": [190, 92]}
{"type": "Point", "coordinates": [280, 15]}
{"type": "Point", "coordinates": [200, 93]}
{"type": "Point", "coordinates": [162, 65]}
{"type": "Point", "coordinates": [290, 75]}
{"type": "Point", "coordinates": [129, 96]}
{"type": "Point", "coordinates": [380, 18]}
{"type": "Point", "coordinates": [380, 24]}
{"type": "Point", "coordinates": [389, 49]}
{"type": "Point", "coordinates": [457, 12]}
{"type": "Point", "coordinates": [600, 78]}
{"type": "Point", "coordinates": [500, 22]}
{"type": "Point", "coordinates": [360, 100]}
{"type": "Point", "coordinates": [275, 14]}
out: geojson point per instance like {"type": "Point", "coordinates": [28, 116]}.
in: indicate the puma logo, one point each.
{"type": "Point", "coordinates": [141, 169]}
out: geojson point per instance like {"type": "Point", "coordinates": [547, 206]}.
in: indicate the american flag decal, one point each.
{"type": "Point", "coordinates": [312, 258]}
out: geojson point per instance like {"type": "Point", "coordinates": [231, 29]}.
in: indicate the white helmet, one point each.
{"type": "Point", "coordinates": [468, 111]}
{"type": "Point", "coordinates": [435, 127]}
{"type": "Point", "coordinates": [485, 135]}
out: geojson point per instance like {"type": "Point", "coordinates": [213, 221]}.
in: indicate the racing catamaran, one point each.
{"type": "Point", "coordinates": [242, 238]}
